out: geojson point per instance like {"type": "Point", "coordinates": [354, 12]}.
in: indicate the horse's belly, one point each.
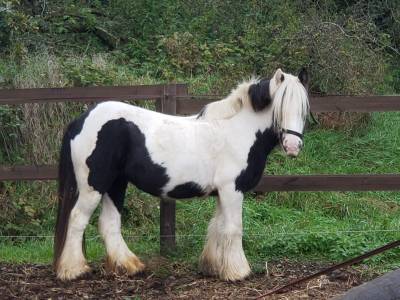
{"type": "Point", "coordinates": [186, 190]}
{"type": "Point", "coordinates": [159, 185]}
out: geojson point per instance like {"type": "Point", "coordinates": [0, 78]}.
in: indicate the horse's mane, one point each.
{"type": "Point", "coordinates": [229, 106]}
{"type": "Point", "coordinates": [289, 88]}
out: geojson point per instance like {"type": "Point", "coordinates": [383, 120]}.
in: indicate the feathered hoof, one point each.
{"type": "Point", "coordinates": [234, 275]}
{"type": "Point", "coordinates": [131, 265]}
{"type": "Point", "coordinates": [228, 272]}
{"type": "Point", "coordinates": [208, 267]}
{"type": "Point", "coordinates": [72, 272]}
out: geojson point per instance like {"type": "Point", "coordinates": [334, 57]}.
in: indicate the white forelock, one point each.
{"type": "Point", "coordinates": [291, 99]}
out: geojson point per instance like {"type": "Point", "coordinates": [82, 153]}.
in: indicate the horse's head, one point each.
{"type": "Point", "coordinates": [287, 96]}
{"type": "Point", "coordinates": [290, 108]}
{"type": "Point", "coordinates": [284, 95]}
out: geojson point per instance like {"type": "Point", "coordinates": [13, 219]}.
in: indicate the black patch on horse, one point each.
{"type": "Point", "coordinates": [117, 192]}
{"type": "Point", "coordinates": [186, 190]}
{"type": "Point", "coordinates": [256, 160]}
{"type": "Point", "coordinates": [75, 127]}
{"type": "Point", "coordinates": [259, 95]}
{"type": "Point", "coordinates": [121, 155]}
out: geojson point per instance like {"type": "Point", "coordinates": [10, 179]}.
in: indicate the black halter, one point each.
{"type": "Point", "coordinates": [288, 131]}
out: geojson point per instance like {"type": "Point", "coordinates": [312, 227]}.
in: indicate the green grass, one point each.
{"type": "Point", "coordinates": [323, 226]}
{"type": "Point", "coordinates": [369, 149]}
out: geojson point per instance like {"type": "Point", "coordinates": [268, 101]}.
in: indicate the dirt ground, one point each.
{"type": "Point", "coordinates": [163, 280]}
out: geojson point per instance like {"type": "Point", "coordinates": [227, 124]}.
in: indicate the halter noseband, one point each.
{"type": "Point", "coordinates": [288, 131]}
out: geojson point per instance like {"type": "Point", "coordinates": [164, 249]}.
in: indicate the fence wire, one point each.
{"type": "Point", "coordinates": [204, 235]}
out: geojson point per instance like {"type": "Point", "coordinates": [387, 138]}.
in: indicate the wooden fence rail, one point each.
{"type": "Point", "coordinates": [174, 99]}
{"type": "Point", "coordinates": [88, 94]}
{"type": "Point", "coordinates": [269, 183]}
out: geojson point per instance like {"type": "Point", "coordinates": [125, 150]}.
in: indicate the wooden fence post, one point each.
{"type": "Point", "coordinates": [167, 208]}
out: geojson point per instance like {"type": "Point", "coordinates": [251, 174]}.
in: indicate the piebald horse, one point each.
{"type": "Point", "coordinates": [223, 149]}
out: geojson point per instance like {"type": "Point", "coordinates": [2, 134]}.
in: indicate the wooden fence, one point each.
{"type": "Point", "coordinates": [173, 99]}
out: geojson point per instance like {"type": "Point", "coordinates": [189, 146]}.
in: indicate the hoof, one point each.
{"type": "Point", "coordinates": [208, 267]}
{"type": "Point", "coordinates": [131, 265]}
{"type": "Point", "coordinates": [234, 275]}
{"type": "Point", "coordinates": [223, 269]}
{"type": "Point", "coordinates": [71, 273]}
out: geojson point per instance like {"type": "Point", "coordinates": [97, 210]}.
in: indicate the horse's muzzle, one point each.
{"type": "Point", "coordinates": [291, 141]}
{"type": "Point", "coordinates": [292, 152]}
{"type": "Point", "coordinates": [292, 147]}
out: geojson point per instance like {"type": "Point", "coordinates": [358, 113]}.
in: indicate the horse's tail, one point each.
{"type": "Point", "coordinates": [67, 195]}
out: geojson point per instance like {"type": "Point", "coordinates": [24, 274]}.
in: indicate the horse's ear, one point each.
{"type": "Point", "coordinates": [304, 77]}
{"type": "Point", "coordinates": [259, 95]}
{"type": "Point", "coordinates": [278, 76]}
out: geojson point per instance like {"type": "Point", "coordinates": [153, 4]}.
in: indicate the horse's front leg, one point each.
{"type": "Point", "coordinates": [223, 253]}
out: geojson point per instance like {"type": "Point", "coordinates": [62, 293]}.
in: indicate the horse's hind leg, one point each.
{"type": "Point", "coordinates": [72, 261]}
{"type": "Point", "coordinates": [119, 257]}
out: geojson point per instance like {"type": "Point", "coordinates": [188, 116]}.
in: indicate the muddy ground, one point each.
{"type": "Point", "coordinates": [163, 280]}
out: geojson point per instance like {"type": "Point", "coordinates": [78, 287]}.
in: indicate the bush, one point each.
{"type": "Point", "coordinates": [15, 28]}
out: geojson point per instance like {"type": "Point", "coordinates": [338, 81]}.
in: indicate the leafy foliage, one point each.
{"type": "Point", "coordinates": [173, 39]}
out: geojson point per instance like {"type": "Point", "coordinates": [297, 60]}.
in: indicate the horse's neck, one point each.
{"type": "Point", "coordinates": [250, 121]}
{"type": "Point", "coordinates": [247, 126]}
{"type": "Point", "coordinates": [222, 109]}
{"type": "Point", "coordinates": [251, 140]}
